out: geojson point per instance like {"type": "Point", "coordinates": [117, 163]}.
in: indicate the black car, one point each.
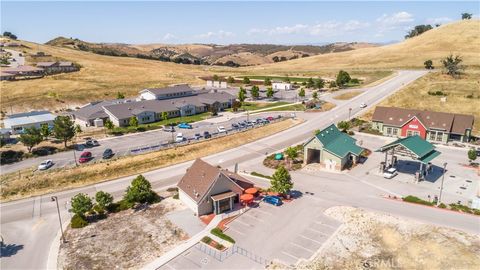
{"type": "Point", "coordinates": [108, 153]}
{"type": "Point", "coordinates": [242, 124]}
{"type": "Point", "coordinates": [235, 126]}
{"type": "Point", "coordinates": [207, 135]}
{"type": "Point", "coordinates": [197, 136]}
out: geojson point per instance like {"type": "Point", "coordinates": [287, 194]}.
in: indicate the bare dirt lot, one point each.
{"type": "Point", "coordinates": [129, 239]}
{"type": "Point", "coordinates": [370, 240]}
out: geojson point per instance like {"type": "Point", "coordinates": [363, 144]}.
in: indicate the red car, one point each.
{"type": "Point", "coordinates": [85, 157]}
{"type": "Point", "coordinates": [270, 118]}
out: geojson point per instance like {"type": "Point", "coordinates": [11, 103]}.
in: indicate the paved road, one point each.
{"type": "Point", "coordinates": [127, 144]}
{"type": "Point", "coordinates": [31, 222]}
{"type": "Point", "coordinates": [16, 56]}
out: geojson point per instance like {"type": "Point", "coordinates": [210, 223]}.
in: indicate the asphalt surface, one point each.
{"type": "Point", "coordinates": [30, 225]}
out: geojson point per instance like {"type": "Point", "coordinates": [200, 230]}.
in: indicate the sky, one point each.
{"type": "Point", "coordinates": [226, 22]}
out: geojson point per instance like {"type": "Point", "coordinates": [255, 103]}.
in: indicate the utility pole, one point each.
{"type": "Point", "coordinates": [349, 112]}
{"type": "Point", "coordinates": [441, 187]}
{"type": "Point", "coordinates": [55, 199]}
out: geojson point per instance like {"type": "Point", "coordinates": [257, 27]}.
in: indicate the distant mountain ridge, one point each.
{"type": "Point", "coordinates": [210, 54]}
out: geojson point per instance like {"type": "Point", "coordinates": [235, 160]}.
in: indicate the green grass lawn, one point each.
{"type": "Point", "coordinates": [278, 78]}
{"type": "Point", "coordinates": [160, 124]}
{"type": "Point", "coordinates": [252, 106]}
{"type": "Point", "coordinates": [293, 107]}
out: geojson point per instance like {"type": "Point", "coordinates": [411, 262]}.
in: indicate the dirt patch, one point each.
{"type": "Point", "coordinates": [129, 239]}
{"type": "Point", "coordinates": [369, 240]}
{"type": "Point", "coordinates": [28, 183]}
{"type": "Point", "coordinates": [348, 95]}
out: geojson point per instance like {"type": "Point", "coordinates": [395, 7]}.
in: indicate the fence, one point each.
{"type": "Point", "coordinates": [235, 249]}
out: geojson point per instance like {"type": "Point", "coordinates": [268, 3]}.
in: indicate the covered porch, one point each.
{"type": "Point", "coordinates": [223, 202]}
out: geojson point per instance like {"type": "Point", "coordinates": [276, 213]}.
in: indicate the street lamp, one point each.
{"type": "Point", "coordinates": [349, 112]}
{"type": "Point", "coordinates": [55, 199]}
{"type": "Point", "coordinates": [441, 187]}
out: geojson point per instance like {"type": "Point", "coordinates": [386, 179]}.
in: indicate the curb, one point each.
{"type": "Point", "coordinates": [52, 260]}
{"type": "Point", "coordinates": [432, 206]}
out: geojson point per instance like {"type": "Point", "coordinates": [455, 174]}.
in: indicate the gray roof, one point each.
{"type": "Point", "coordinates": [28, 119]}
{"type": "Point", "coordinates": [94, 110]}
{"type": "Point", "coordinates": [32, 113]}
{"type": "Point", "coordinates": [129, 109]}
{"type": "Point", "coordinates": [170, 89]}
{"type": "Point", "coordinates": [218, 96]}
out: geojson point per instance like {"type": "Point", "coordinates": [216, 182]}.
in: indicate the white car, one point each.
{"type": "Point", "coordinates": [390, 173]}
{"type": "Point", "coordinates": [179, 138]}
{"type": "Point", "coordinates": [363, 105]}
{"type": "Point", "coordinates": [45, 165]}
{"type": "Point", "coordinates": [221, 129]}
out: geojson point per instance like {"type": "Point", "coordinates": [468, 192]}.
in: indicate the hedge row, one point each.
{"type": "Point", "coordinates": [414, 199]}
{"type": "Point", "coordinates": [218, 232]}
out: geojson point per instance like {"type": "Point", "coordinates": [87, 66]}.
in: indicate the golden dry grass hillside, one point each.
{"type": "Point", "coordinates": [100, 77]}
{"type": "Point", "coordinates": [461, 38]}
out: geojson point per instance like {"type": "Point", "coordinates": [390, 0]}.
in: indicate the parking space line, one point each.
{"type": "Point", "coordinates": [264, 212]}
{"type": "Point", "coordinates": [254, 217]}
{"type": "Point", "coordinates": [236, 231]}
{"type": "Point", "coordinates": [295, 244]}
{"type": "Point", "coordinates": [243, 223]}
{"type": "Point", "coordinates": [326, 225]}
{"type": "Point", "coordinates": [290, 255]}
{"type": "Point", "coordinates": [318, 242]}
{"type": "Point", "coordinates": [317, 231]}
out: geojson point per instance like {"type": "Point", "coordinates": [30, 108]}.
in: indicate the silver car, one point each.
{"type": "Point", "coordinates": [45, 165]}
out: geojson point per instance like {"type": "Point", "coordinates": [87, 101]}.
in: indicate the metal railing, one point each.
{"type": "Point", "coordinates": [235, 249]}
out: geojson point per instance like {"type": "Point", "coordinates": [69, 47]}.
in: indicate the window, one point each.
{"type": "Point", "coordinates": [432, 135]}
{"type": "Point", "coordinates": [409, 133]}
{"type": "Point", "coordinates": [395, 132]}
{"type": "Point", "coordinates": [416, 133]}
{"type": "Point", "coordinates": [439, 136]}
{"type": "Point", "coordinates": [389, 131]}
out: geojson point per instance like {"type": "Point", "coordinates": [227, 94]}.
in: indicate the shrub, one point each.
{"type": "Point", "coordinates": [176, 196]}
{"type": "Point", "coordinates": [124, 205]}
{"type": "Point", "coordinates": [140, 190]}
{"type": "Point", "coordinates": [172, 189]}
{"type": "Point", "coordinates": [207, 240]}
{"type": "Point", "coordinates": [81, 204]}
{"type": "Point", "coordinates": [220, 246]}
{"type": "Point", "coordinates": [442, 205]}
{"type": "Point", "coordinates": [414, 199]}
{"type": "Point", "coordinates": [78, 221]}
{"type": "Point", "coordinates": [219, 233]}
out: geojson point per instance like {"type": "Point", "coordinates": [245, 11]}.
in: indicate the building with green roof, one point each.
{"type": "Point", "coordinates": [332, 149]}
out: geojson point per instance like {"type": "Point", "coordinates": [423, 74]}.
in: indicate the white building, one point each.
{"type": "Point", "coordinates": [216, 84]}
{"type": "Point", "coordinates": [281, 86]}
{"type": "Point", "coordinates": [19, 122]}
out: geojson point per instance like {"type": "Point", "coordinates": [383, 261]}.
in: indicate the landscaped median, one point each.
{"type": "Point", "coordinates": [453, 206]}
{"type": "Point", "coordinates": [28, 183]}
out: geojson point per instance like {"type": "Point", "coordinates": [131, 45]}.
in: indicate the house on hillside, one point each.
{"type": "Point", "coordinates": [432, 126]}
{"type": "Point", "coordinates": [20, 121]}
{"type": "Point", "coordinates": [5, 76]}
{"type": "Point", "coordinates": [57, 67]}
{"type": "Point", "coordinates": [332, 149]}
{"type": "Point", "coordinates": [277, 85]}
{"type": "Point", "coordinates": [24, 71]}
{"type": "Point", "coordinates": [208, 189]}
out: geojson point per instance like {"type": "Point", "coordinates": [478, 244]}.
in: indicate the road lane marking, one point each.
{"type": "Point", "coordinates": [303, 236]}
{"type": "Point", "coordinates": [291, 256]}
{"type": "Point", "coordinates": [326, 225]}
{"type": "Point", "coordinates": [295, 244]}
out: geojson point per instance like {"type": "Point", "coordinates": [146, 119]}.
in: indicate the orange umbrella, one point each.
{"type": "Point", "coordinates": [251, 190]}
{"type": "Point", "coordinates": [246, 198]}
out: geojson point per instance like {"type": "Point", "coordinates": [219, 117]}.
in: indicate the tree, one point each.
{"type": "Point", "coordinates": [276, 59]}
{"type": "Point", "coordinates": [315, 95]}
{"type": "Point", "coordinates": [81, 204]}
{"type": "Point", "coordinates": [241, 95]}
{"type": "Point", "coordinates": [342, 78]}
{"type": "Point", "coordinates": [319, 83]}
{"type": "Point", "coordinates": [236, 105]}
{"type": "Point", "coordinates": [270, 92]}
{"type": "Point", "coordinates": [466, 16]}
{"type": "Point", "coordinates": [133, 121]}
{"type": "Point", "coordinates": [452, 65]}
{"type": "Point", "coordinates": [9, 35]}
{"type": "Point", "coordinates": [45, 131]}
{"type": "Point", "coordinates": [120, 95]}
{"type": "Point", "coordinates": [103, 199]}
{"type": "Point", "coordinates": [301, 92]}
{"type": "Point", "coordinates": [343, 125]}
{"type": "Point", "coordinates": [140, 190]}
{"type": "Point", "coordinates": [246, 80]}
{"type": "Point", "coordinates": [109, 124]}
{"type": "Point", "coordinates": [281, 181]}
{"type": "Point", "coordinates": [31, 137]}
{"type": "Point", "coordinates": [255, 92]}
{"type": "Point", "coordinates": [286, 79]}
{"type": "Point", "coordinates": [310, 83]}
{"type": "Point", "coordinates": [164, 116]}
{"type": "Point", "coordinates": [63, 129]}
{"type": "Point", "coordinates": [291, 153]}
{"type": "Point", "coordinates": [418, 30]}
{"type": "Point", "coordinates": [472, 155]}
{"type": "Point", "coordinates": [267, 81]}
{"type": "Point", "coordinates": [332, 84]}
{"type": "Point", "coordinates": [230, 79]}
{"type": "Point", "coordinates": [428, 64]}
{"type": "Point", "coordinates": [215, 77]}
{"type": "Point", "coordinates": [78, 129]}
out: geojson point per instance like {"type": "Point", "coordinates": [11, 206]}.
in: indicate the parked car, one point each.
{"type": "Point", "coordinates": [207, 135]}
{"type": "Point", "coordinates": [85, 157]}
{"type": "Point", "coordinates": [478, 152]}
{"type": "Point", "coordinates": [242, 124]}
{"type": "Point", "coordinates": [274, 200]}
{"type": "Point", "coordinates": [235, 126]}
{"type": "Point", "coordinates": [45, 165]}
{"type": "Point", "coordinates": [169, 129]}
{"type": "Point", "coordinates": [91, 143]}
{"type": "Point", "coordinates": [221, 129]}
{"type": "Point", "coordinates": [108, 153]}
{"type": "Point", "coordinates": [270, 118]}
{"type": "Point", "coordinates": [259, 121]}
{"type": "Point", "coordinates": [179, 138]}
{"type": "Point", "coordinates": [185, 126]}
{"type": "Point", "coordinates": [363, 105]}
{"type": "Point", "coordinates": [390, 173]}
{"type": "Point", "coordinates": [249, 123]}
{"type": "Point", "coordinates": [197, 136]}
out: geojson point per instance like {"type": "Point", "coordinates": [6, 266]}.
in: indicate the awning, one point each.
{"type": "Point", "coordinates": [223, 196]}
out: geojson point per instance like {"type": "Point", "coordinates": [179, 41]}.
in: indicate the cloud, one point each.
{"type": "Point", "coordinates": [439, 20]}
{"type": "Point", "coordinates": [399, 20]}
{"type": "Point", "coordinates": [329, 28]}
{"type": "Point", "coordinates": [169, 36]}
{"type": "Point", "coordinates": [218, 34]}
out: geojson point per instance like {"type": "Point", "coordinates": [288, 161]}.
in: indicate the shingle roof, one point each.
{"type": "Point", "coordinates": [198, 179]}
{"type": "Point", "coordinates": [337, 142]}
{"type": "Point", "coordinates": [94, 110]}
{"type": "Point", "coordinates": [129, 109]}
{"type": "Point", "coordinates": [420, 148]}
{"type": "Point", "coordinates": [170, 89]}
{"type": "Point", "coordinates": [457, 123]}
